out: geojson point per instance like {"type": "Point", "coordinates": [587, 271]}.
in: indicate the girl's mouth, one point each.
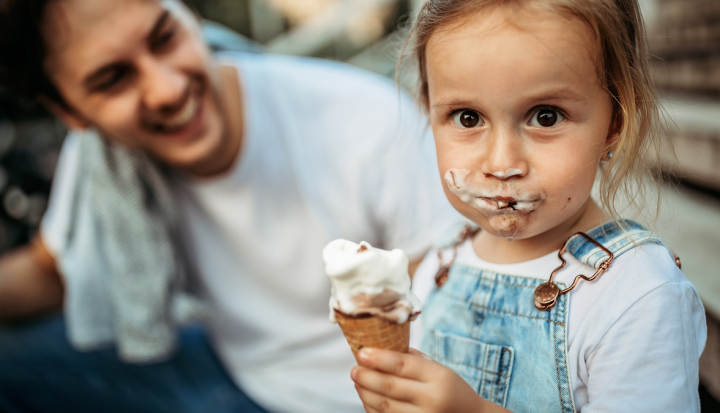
{"type": "Point", "coordinates": [507, 204]}
{"type": "Point", "coordinates": [493, 201]}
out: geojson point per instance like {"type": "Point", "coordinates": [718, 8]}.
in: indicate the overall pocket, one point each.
{"type": "Point", "coordinates": [486, 367]}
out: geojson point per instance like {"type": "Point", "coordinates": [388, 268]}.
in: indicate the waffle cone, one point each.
{"type": "Point", "coordinates": [374, 332]}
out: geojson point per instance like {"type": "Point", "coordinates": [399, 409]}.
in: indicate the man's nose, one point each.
{"type": "Point", "coordinates": [504, 155]}
{"type": "Point", "coordinates": [163, 87]}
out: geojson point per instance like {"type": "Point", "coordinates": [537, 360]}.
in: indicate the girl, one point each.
{"type": "Point", "coordinates": [528, 100]}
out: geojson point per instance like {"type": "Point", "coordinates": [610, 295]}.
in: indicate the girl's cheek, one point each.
{"type": "Point", "coordinates": [452, 153]}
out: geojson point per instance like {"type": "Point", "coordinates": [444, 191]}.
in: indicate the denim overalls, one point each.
{"type": "Point", "coordinates": [485, 327]}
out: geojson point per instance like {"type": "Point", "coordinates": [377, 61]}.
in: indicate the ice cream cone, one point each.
{"type": "Point", "coordinates": [373, 331]}
{"type": "Point", "coordinates": [370, 296]}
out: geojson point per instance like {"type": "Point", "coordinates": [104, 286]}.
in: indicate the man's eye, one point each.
{"type": "Point", "coordinates": [467, 118]}
{"type": "Point", "coordinates": [546, 117]}
{"type": "Point", "coordinates": [163, 39]}
{"type": "Point", "coordinates": [112, 79]}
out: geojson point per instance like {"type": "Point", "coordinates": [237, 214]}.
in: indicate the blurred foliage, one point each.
{"type": "Point", "coordinates": [685, 45]}
{"type": "Point", "coordinates": [234, 14]}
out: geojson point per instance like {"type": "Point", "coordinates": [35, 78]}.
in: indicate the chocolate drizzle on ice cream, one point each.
{"type": "Point", "coordinates": [369, 281]}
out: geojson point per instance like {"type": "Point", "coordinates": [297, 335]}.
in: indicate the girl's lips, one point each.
{"type": "Point", "coordinates": [489, 200]}
{"type": "Point", "coordinates": [507, 204]}
{"type": "Point", "coordinates": [508, 199]}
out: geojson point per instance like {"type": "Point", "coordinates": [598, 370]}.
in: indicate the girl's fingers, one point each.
{"type": "Point", "coordinates": [387, 385]}
{"type": "Point", "coordinates": [417, 352]}
{"type": "Point", "coordinates": [369, 409]}
{"type": "Point", "coordinates": [410, 366]}
{"type": "Point", "coordinates": [374, 402]}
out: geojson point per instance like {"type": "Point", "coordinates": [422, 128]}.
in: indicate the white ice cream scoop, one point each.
{"type": "Point", "coordinates": [369, 281]}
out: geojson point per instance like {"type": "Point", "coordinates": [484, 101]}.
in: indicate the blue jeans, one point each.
{"type": "Point", "coordinates": [40, 372]}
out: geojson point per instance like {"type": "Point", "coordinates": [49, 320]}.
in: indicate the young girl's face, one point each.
{"type": "Point", "coordinates": [520, 118]}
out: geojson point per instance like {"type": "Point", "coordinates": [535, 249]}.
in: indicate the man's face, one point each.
{"type": "Point", "coordinates": [139, 71]}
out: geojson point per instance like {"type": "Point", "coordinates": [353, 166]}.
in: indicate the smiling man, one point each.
{"type": "Point", "coordinates": [266, 158]}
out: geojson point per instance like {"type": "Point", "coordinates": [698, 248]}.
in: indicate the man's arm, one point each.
{"type": "Point", "coordinates": [29, 282]}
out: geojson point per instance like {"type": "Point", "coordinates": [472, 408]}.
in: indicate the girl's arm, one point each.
{"type": "Point", "coordinates": [389, 382]}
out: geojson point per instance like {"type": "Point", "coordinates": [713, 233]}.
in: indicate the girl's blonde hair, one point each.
{"type": "Point", "coordinates": [623, 69]}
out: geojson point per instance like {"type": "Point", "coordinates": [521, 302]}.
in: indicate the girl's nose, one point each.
{"type": "Point", "coordinates": [163, 86]}
{"type": "Point", "coordinates": [503, 155]}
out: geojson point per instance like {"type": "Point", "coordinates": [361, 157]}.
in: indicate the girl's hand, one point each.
{"type": "Point", "coordinates": [389, 381]}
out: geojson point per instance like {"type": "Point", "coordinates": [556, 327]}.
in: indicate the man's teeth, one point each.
{"type": "Point", "coordinates": [502, 204]}
{"type": "Point", "coordinates": [185, 116]}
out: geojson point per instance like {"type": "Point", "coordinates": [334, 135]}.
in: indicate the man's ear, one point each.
{"type": "Point", "coordinates": [69, 117]}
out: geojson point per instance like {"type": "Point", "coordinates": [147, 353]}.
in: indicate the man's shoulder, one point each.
{"type": "Point", "coordinates": [345, 109]}
{"type": "Point", "coordinates": [319, 82]}
{"type": "Point", "coordinates": [322, 71]}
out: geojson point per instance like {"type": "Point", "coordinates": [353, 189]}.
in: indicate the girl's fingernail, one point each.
{"type": "Point", "coordinates": [364, 354]}
{"type": "Point", "coordinates": [353, 373]}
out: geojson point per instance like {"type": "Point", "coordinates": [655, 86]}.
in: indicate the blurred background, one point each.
{"type": "Point", "coordinates": [684, 36]}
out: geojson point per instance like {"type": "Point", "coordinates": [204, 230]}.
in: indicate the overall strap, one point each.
{"type": "Point", "coordinates": [618, 237]}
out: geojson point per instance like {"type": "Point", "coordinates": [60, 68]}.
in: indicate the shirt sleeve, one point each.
{"type": "Point", "coordinates": [648, 359]}
{"type": "Point", "coordinates": [55, 224]}
{"type": "Point", "coordinates": [411, 204]}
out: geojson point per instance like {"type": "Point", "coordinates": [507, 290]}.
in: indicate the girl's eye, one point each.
{"type": "Point", "coordinates": [546, 118]}
{"type": "Point", "coordinates": [467, 118]}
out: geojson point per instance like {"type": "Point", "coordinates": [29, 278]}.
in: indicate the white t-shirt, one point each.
{"type": "Point", "coordinates": [330, 152]}
{"type": "Point", "coordinates": [634, 335]}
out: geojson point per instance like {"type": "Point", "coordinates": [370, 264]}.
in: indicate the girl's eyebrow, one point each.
{"type": "Point", "coordinates": [457, 102]}
{"type": "Point", "coordinates": [558, 94]}
{"type": "Point", "coordinates": [547, 95]}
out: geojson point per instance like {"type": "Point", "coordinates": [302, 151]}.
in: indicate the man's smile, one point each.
{"type": "Point", "coordinates": [183, 121]}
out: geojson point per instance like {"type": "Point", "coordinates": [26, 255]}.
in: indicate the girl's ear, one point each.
{"type": "Point", "coordinates": [69, 117]}
{"type": "Point", "coordinates": [614, 131]}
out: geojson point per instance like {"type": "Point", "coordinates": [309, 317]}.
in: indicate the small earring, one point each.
{"type": "Point", "coordinates": [609, 155]}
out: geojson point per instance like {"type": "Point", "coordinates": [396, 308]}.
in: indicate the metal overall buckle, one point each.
{"type": "Point", "coordinates": [546, 294]}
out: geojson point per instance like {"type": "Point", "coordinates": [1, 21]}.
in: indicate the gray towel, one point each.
{"type": "Point", "coordinates": [123, 261]}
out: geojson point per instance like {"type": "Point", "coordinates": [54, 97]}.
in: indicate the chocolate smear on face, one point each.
{"type": "Point", "coordinates": [508, 226]}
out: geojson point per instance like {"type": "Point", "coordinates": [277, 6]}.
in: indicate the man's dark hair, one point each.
{"type": "Point", "coordinates": [22, 50]}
